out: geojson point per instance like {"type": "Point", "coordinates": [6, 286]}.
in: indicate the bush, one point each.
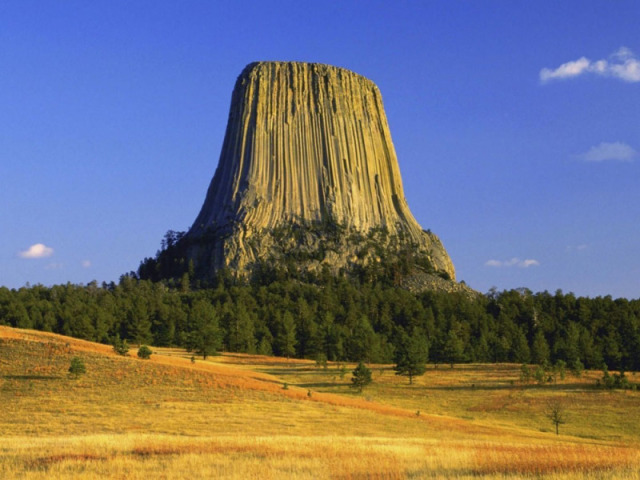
{"type": "Point", "coordinates": [321, 361]}
{"type": "Point", "coordinates": [77, 367]}
{"type": "Point", "coordinates": [540, 374]}
{"type": "Point", "coordinates": [144, 352]}
{"type": "Point", "coordinates": [361, 377]}
{"type": "Point", "coordinates": [615, 381]}
{"type": "Point", "coordinates": [121, 347]}
{"type": "Point", "coordinates": [577, 367]}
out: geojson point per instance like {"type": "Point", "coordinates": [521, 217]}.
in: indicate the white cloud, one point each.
{"type": "Point", "coordinates": [39, 250]}
{"type": "Point", "coordinates": [493, 263]}
{"type": "Point", "coordinates": [566, 70]}
{"type": "Point", "coordinates": [622, 64]}
{"type": "Point", "coordinates": [609, 151]}
{"type": "Point", "coordinates": [623, 53]}
{"type": "Point", "coordinates": [86, 263]}
{"type": "Point", "coordinates": [513, 262]}
{"type": "Point", "coordinates": [529, 263]}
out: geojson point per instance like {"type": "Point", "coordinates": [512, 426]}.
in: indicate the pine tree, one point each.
{"type": "Point", "coordinates": [204, 337]}
{"type": "Point", "coordinates": [309, 342]}
{"type": "Point", "coordinates": [521, 353]}
{"type": "Point", "coordinates": [264, 346]}
{"type": "Point", "coordinates": [331, 337]}
{"type": "Point", "coordinates": [412, 355]}
{"type": "Point", "coordinates": [361, 345]}
{"type": "Point", "coordinates": [286, 336]}
{"type": "Point", "coordinates": [540, 349]}
{"type": "Point", "coordinates": [77, 367]}
{"type": "Point", "coordinates": [144, 352]}
{"type": "Point", "coordinates": [361, 377]}
{"type": "Point", "coordinates": [242, 335]}
{"type": "Point", "coordinates": [453, 348]}
{"type": "Point", "coordinates": [121, 347]}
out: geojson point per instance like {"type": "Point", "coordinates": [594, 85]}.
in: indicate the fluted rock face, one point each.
{"type": "Point", "coordinates": [306, 145]}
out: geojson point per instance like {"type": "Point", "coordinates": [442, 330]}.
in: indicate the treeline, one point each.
{"type": "Point", "coordinates": [340, 320]}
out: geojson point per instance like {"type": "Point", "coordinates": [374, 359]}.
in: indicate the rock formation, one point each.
{"type": "Point", "coordinates": [307, 174]}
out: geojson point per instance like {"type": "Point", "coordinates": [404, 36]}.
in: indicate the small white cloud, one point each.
{"type": "Point", "coordinates": [513, 262]}
{"type": "Point", "coordinates": [529, 262]}
{"type": "Point", "coordinates": [622, 64]}
{"type": "Point", "coordinates": [493, 263]}
{"type": "Point", "coordinates": [86, 263]}
{"type": "Point", "coordinates": [566, 70]}
{"type": "Point", "coordinates": [39, 250]}
{"type": "Point", "coordinates": [616, 151]}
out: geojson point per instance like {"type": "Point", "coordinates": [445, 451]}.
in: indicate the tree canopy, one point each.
{"type": "Point", "coordinates": [340, 318]}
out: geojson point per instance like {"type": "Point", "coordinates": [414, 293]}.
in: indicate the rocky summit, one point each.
{"type": "Point", "coordinates": [308, 179]}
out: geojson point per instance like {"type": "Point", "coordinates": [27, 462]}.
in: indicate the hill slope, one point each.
{"type": "Point", "coordinates": [230, 418]}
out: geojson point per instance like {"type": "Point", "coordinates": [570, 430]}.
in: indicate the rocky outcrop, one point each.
{"type": "Point", "coordinates": [307, 170]}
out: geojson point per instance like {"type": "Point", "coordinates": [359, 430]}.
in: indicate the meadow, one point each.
{"type": "Point", "coordinates": [230, 416]}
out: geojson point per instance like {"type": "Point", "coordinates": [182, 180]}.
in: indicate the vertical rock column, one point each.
{"type": "Point", "coordinates": [309, 143]}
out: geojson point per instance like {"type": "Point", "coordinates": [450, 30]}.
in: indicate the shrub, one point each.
{"type": "Point", "coordinates": [121, 347]}
{"type": "Point", "coordinates": [577, 367]}
{"type": "Point", "coordinates": [321, 361]}
{"type": "Point", "coordinates": [617, 380]}
{"type": "Point", "coordinates": [540, 375]}
{"type": "Point", "coordinates": [361, 377]}
{"type": "Point", "coordinates": [144, 352]}
{"type": "Point", "coordinates": [77, 367]}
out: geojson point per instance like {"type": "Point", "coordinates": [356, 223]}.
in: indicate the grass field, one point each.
{"type": "Point", "coordinates": [230, 417]}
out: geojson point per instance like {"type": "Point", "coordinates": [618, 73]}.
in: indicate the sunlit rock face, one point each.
{"type": "Point", "coordinates": [307, 169]}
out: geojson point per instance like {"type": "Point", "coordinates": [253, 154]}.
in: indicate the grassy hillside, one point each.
{"type": "Point", "coordinates": [230, 417]}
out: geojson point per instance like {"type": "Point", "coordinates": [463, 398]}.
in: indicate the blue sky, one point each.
{"type": "Point", "coordinates": [516, 125]}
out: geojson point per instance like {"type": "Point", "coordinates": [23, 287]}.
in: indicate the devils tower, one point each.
{"type": "Point", "coordinates": [308, 178]}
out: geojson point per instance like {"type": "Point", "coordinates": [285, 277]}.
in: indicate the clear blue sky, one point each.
{"type": "Point", "coordinates": [516, 124]}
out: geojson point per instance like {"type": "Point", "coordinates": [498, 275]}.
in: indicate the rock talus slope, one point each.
{"type": "Point", "coordinates": [307, 145]}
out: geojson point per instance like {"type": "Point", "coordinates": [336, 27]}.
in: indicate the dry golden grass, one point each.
{"type": "Point", "coordinates": [488, 395]}
{"type": "Point", "coordinates": [229, 417]}
{"type": "Point", "coordinates": [136, 456]}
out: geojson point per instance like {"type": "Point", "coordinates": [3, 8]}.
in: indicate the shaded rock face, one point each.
{"type": "Point", "coordinates": [308, 170]}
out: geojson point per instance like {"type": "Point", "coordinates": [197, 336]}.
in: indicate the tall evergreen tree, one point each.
{"type": "Point", "coordinates": [411, 355]}
{"type": "Point", "coordinates": [453, 348]}
{"type": "Point", "coordinates": [540, 353]}
{"type": "Point", "coordinates": [285, 338]}
{"type": "Point", "coordinates": [362, 343]}
{"type": "Point", "coordinates": [204, 336]}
